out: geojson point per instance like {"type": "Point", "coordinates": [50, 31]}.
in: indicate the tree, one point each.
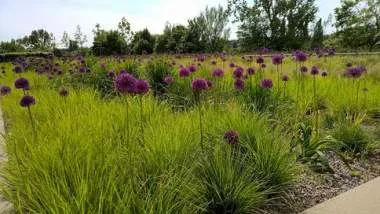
{"type": "Point", "coordinates": [39, 40]}
{"type": "Point", "coordinates": [12, 46]}
{"type": "Point", "coordinates": [358, 23]}
{"type": "Point", "coordinates": [213, 23]}
{"type": "Point", "coordinates": [107, 42]}
{"type": "Point", "coordinates": [317, 40]}
{"type": "Point", "coordinates": [65, 39]}
{"type": "Point", "coordinates": [124, 28]}
{"type": "Point", "coordinates": [79, 37]}
{"type": "Point", "coordinates": [277, 24]}
{"type": "Point", "coordinates": [143, 42]}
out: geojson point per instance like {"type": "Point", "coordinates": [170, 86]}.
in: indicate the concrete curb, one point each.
{"type": "Point", "coordinates": [364, 199]}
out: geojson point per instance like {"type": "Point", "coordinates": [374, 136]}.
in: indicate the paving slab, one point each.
{"type": "Point", "coordinates": [364, 199]}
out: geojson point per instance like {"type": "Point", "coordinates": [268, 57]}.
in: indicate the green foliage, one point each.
{"type": "Point", "coordinates": [156, 71]}
{"type": "Point", "coordinates": [317, 40]}
{"type": "Point", "coordinates": [279, 24]}
{"type": "Point", "coordinates": [352, 139]}
{"type": "Point", "coordinates": [358, 23]}
{"type": "Point", "coordinates": [142, 42]}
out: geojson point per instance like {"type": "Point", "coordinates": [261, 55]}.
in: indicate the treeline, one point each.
{"type": "Point", "coordinates": [274, 24]}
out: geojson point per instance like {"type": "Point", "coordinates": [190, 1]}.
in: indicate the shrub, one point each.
{"type": "Point", "coordinates": [351, 138]}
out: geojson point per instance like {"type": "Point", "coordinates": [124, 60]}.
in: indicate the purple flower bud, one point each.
{"type": "Point", "coordinates": [199, 84]}
{"type": "Point", "coordinates": [304, 69]}
{"type": "Point", "coordinates": [5, 90]}
{"type": "Point", "coordinates": [324, 74]}
{"type": "Point", "coordinates": [260, 60]}
{"type": "Point", "coordinates": [238, 73]}
{"type": "Point", "coordinates": [142, 87]}
{"type": "Point", "coordinates": [314, 70]}
{"type": "Point", "coordinates": [22, 83]}
{"type": "Point", "coordinates": [27, 101]}
{"type": "Point", "coordinates": [184, 72]}
{"type": "Point", "coordinates": [239, 84]}
{"type": "Point", "coordinates": [266, 83]}
{"type": "Point", "coordinates": [251, 71]}
{"type": "Point", "coordinates": [285, 78]}
{"type": "Point", "coordinates": [218, 73]}
{"type": "Point", "coordinates": [277, 59]}
{"type": "Point", "coordinates": [232, 137]}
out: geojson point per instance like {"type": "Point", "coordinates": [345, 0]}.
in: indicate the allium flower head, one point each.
{"type": "Point", "coordinates": [232, 65]}
{"type": "Point", "coordinates": [17, 69]}
{"type": "Point", "coordinates": [27, 101]}
{"type": "Point", "coordinates": [314, 70]}
{"type": "Point", "coordinates": [22, 83]}
{"type": "Point", "coordinates": [300, 56]}
{"type": "Point", "coordinates": [199, 84]}
{"type": "Point", "coordinates": [169, 80]}
{"type": "Point", "coordinates": [213, 62]}
{"type": "Point", "coordinates": [232, 137]}
{"type": "Point", "coordinates": [324, 74]}
{"type": "Point", "coordinates": [267, 83]}
{"type": "Point", "coordinates": [354, 72]}
{"type": "Point", "coordinates": [4, 90]}
{"type": "Point", "coordinates": [111, 74]}
{"type": "Point", "coordinates": [239, 84]}
{"type": "Point", "coordinates": [209, 84]}
{"type": "Point", "coordinates": [304, 69]}
{"type": "Point", "coordinates": [184, 72]}
{"type": "Point", "coordinates": [251, 71]}
{"type": "Point", "coordinates": [285, 78]}
{"type": "Point", "coordinates": [238, 73]}
{"type": "Point", "coordinates": [63, 92]}
{"type": "Point", "coordinates": [263, 65]}
{"type": "Point", "coordinates": [218, 73]}
{"type": "Point", "coordinates": [260, 60]}
{"type": "Point", "coordinates": [277, 59]}
{"type": "Point", "coordinates": [125, 83]}
{"type": "Point", "coordinates": [192, 68]}
{"type": "Point", "coordinates": [142, 87]}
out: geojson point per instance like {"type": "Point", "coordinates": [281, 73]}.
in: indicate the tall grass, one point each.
{"type": "Point", "coordinates": [86, 160]}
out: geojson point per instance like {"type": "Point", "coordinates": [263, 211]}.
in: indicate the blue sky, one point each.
{"type": "Point", "coordinates": [20, 17]}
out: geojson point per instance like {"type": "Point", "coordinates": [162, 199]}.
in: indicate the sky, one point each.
{"type": "Point", "coordinates": [19, 17]}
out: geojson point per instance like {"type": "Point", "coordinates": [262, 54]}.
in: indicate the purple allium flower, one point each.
{"type": "Point", "coordinates": [169, 80]}
{"type": "Point", "coordinates": [218, 73]}
{"type": "Point", "coordinates": [142, 87]}
{"type": "Point", "coordinates": [184, 72]}
{"type": "Point", "coordinates": [201, 58]}
{"type": "Point", "coordinates": [209, 84]}
{"type": "Point", "coordinates": [4, 90]}
{"type": "Point", "coordinates": [277, 59]}
{"type": "Point", "coordinates": [27, 101]}
{"type": "Point", "coordinates": [125, 83]}
{"type": "Point", "coordinates": [314, 70]}
{"type": "Point", "coordinates": [324, 74]}
{"type": "Point", "coordinates": [263, 65]}
{"type": "Point", "coordinates": [232, 137]}
{"type": "Point", "coordinates": [260, 60]}
{"type": "Point", "coordinates": [111, 74]}
{"type": "Point", "coordinates": [22, 83]}
{"type": "Point", "coordinates": [239, 84]}
{"type": "Point", "coordinates": [251, 71]}
{"type": "Point", "coordinates": [266, 83]}
{"type": "Point", "coordinates": [354, 72]}
{"type": "Point", "coordinates": [349, 64]}
{"type": "Point", "coordinates": [238, 73]}
{"type": "Point", "coordinates": [199, 84]}
{"type": "Point", "coordinates": [304, 69]}
{"type": "Point", "coordinates": [17, 69]}
{"type": "Point", "coordinates": [232, 65]}
{"type": "Point", "coordinates": [63, 92]}
{"type": "Point", "coordinates": [300, 56]}
{"type": "Point", "coordinates": [285, 78]}
{"type": "Point", "coordinates": [192, 68]}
